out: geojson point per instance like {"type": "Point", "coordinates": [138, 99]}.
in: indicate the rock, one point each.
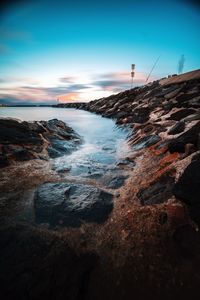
{"type": "Point", "coordinates": [3, 161]}
{"type": "Point", "coordinates": [23, 155]}
{"type": "Point", "coordinates": [157, 192]}
{"type": "Point", "coordinates": [163, 218]}
{"type": "Point", "coordinates": [192, 117]}
{"type": "Point", "coordinates": [176, 213]}
{"type": "Point", "coordinates": [42, 265]}
{"type": "Point", "coordinates": [15, 132]}
{"type": "Point", "coordinates": [186, 96]}
{"type": "Point", "coordinates": [70, 205]}
{"type": "Point", "coordinates": [23, 141]}
{"type": "Point", "coordinates": [187, 188]}
{"type": "Point", "coordinates": [177, 128]}
{"type": "Point", "coordinates": [117, 182]}
{"type": "Point", "coordinates": [146, 141]}
{"type": "Point", "coordinates": [125, 162]}
{"type": "Point", "coordinates": [141, 115]}
{"type": "Point", "coordinates": [181, 114]}
{"type": "Point", "coordinates": [187, 240]}
{"type": "Point", "coordinates": [173, 93]}
{"type": "Point", "coordinates": [190, 136]}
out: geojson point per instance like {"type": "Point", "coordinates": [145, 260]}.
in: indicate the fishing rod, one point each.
{"type": "Point", "coordinates": [153, 67]}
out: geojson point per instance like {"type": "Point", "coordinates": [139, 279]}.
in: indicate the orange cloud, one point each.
{"type": "Point", "coordinates": [70, 97]}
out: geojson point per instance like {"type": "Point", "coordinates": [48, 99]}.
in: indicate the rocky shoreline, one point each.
{"type": "Point", "coordinates": [165, 120]}
{"type": "Point", "coordinates": [149, 244]}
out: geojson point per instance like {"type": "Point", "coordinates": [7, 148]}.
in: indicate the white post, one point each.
{"type": "Point", "coordinates": [132, 74]}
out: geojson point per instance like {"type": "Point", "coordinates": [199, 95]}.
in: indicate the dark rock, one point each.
{"type": "Point", "coordinates": [163, 218]}
{"type": "Point", "coordinates": [157, 192]}
{"type": "Point", "coordinates": [27, 140]}
{"type": "Point", "coordinates": [141, 115]}
{"type": "Point", "coordinates": [173, 93]}
{"type": "Point", "coordinates": [39, 265]}
{"type": "Point", "coordinates": [177, 128]}
{"type": "Point", "coordinates": [22, 155]}
{"type": "Point", "coordinates": [3, 161]}
{"type": "Point", "coordinates": [146, 141]}
{"type": "Point", "coordinates": [190, 136]}
{"type": "Point", "coordinates": [192, 117]}
{"type": "Point", "coordinates": [182, 113]}
{"type": "Point", "coordinates": [14, 132]}
{"type": "Point", "coordinates": [125, 162]}
{"type": "Point", "coordinates": [187, 240]}
{"type": "Point", "coordinates": [186, 96]}
{"type": "Point", "coordinates": [117, 182]}
{"type": "Point", "coordinates": [187, 187]}
{"type": "Point", "coordinates": [70, 205]}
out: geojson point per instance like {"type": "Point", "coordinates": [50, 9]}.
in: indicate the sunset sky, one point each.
{"type": "Point", "coordinates": [82, 50]}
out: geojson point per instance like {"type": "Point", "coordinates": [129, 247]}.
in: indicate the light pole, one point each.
{"type": "Point", "coordinates": [132, 74]}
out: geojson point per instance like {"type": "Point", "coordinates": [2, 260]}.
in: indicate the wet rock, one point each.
{"type": "Point", "coordinates": [16, 132]}
{"type": "Point", "coordinates": [23, 141]}
{"type": "Point", "coordinates": [70, 205]}
{"type": "Point", "coordinates": [177, 128]}
{"type": "Point", "coordinates": [125, 162]}
{"type": "Point", "coordinates": [146, 141]}
{"type": "Point", "coordinates": [117, 182]}
{"type": "Point", "coordinates": [157, 192]}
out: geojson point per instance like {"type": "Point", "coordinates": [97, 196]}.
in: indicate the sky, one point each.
{"type": "Point", "coordinates": [83, 50]}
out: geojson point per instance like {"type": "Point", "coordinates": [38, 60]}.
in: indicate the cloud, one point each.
{"type": "Point", "coordinates": [100, 84]}
{"type": "Point", "coordinates": [67, 79]}
{"type": "Point", "coordinates": [72, 97]}
{"type": "Point", "coordinates": [117, 81]}
{"type": "Point", "coordinates": [31, 94]}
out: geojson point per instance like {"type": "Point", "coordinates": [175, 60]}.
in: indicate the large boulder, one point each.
{"type": "Point", "coordinates": [70, 205]}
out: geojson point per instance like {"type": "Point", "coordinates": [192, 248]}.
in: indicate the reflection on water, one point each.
{"type": "Point", "coordinates": [104, 143]}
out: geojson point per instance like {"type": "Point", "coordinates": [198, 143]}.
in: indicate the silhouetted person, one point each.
{"type": "Point", "coordinates": [181, 64]}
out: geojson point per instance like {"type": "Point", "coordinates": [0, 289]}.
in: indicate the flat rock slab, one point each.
{"type": "Point", "coordinates": [71, 204]}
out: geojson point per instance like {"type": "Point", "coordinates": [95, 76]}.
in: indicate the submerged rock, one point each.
{"type": "Point", "coordinates": [70, 205]}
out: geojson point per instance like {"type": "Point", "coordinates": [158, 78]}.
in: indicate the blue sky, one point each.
{"type": "Point", "coordinates": [82, 50]}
